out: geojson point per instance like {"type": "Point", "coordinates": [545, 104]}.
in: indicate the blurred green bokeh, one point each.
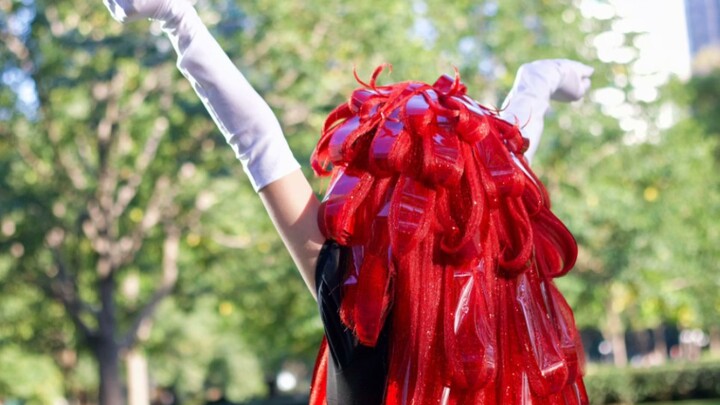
{"type": "Point", "coordinates": [108, 161]}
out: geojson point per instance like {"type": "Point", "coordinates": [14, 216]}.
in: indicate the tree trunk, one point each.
{"type": "Point", "coordinates": [107, 349]}
{"type": "Point", "coordinates": [661, 349]}
{"type": "Point", "coordinates": [107, 354]}
{"type": "Point", "coordinates": [619, 348]}
{"type": "Point", "coordinates": [715, 341]}
{"type": "Point", "coordinates": [616, 335]}
{"type": "Point", "coordinates": [138, 382]}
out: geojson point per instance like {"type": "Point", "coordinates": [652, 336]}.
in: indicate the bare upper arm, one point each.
{"type": "Point", "coordinates": [293, 208]}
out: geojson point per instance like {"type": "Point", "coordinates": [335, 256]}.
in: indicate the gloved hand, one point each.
{"type": "Point", "coordinates": [536, 83]}
{"type": "Point", "coordinates": [244, 118]}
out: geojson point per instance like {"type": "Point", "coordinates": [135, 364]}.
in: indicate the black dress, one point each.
{"type": "Point", "coordinates": [356, 373]}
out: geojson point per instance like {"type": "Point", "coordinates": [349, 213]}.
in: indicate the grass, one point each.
{"type": "Point", "coordinates": [690, 402]}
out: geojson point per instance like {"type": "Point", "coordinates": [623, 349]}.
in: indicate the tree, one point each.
{"type": "Point", "coordinates": [112, 208]}
{"type": "Point", "coordinates": [643, 213]}
{"type": "Point", "coordinates": [101, 178]}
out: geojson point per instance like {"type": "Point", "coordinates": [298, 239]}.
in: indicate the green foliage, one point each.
{"type": "Point", "coordinates": [115, 122]}
{"type": "Point", "coordinates": [674, 381]}
{"type": "Point", "coordinates": [111, 165]}
{"type": "Point", "coordinates": [202, 349]}
{"type": "Point", "coordinates": [704, 101]}
{"type": "Point", "coordinates": [32, 377]}
{"type": "Point", "coordinates": [647, 232]}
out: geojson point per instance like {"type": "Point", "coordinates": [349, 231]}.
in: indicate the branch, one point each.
{"type": "Point", "coordinates": [30, 158]}
{"type": "Point", "coordinates": [164, 192]}
{"type": "Point", "coordinates": [94, 228]}
{"type": "Point", "coordinates": [171, 247]}
{"type": "Point", "coordinates": [77, 177]}
{"type": "Point", "coordinates": [19, 50]}
{"type": "Point", "coordinates": [231, 241]}
{"type": "Point", "coordinates": [158, 77]}
{"type": "Point", "coordinates": [107, 175]}
{"type": "Point", "coordinates": [129, 190]}
{"type": "Point", "coordinates": [159, 201]}
{"type": "Point", "coordinates": [261, 48]}
{"type": "Point", "coordinates": [65, 162]}
{"type": "Point", "coordinates": [65, 289]}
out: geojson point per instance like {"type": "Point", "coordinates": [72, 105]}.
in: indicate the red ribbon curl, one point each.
{"type": "Point", "coordinates": [452, 233]}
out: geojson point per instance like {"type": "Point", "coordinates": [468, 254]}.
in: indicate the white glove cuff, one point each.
{"type": "Point", "coordinates": [529, 100]}
{"type": "Point", "coordinates": [527, 111]}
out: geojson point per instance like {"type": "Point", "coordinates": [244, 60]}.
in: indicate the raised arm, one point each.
{"type": "Point", "coordinates": [246, 121]}
{"type": "Point", "coordinates": [536, 83]}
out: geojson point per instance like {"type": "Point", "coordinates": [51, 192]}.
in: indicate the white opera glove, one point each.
{"type": "Point", "coordinates": [536, 83]}
{"type": "Point", "coordinates": [243, 117]}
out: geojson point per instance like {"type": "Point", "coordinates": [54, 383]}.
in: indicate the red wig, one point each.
{"type": "Point", "coordinates": [452, 233]}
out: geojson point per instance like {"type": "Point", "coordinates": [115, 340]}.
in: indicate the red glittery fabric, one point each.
{"type": "Point", "coordinates": [450, 231]}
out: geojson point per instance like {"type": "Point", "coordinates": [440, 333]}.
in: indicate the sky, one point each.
{"type": "Point", "coordinates": [662, 48]}
{"type": "Point", "coordinates": [667, 45]}
{"type": "Point", "coordinates": [662, 42]}
{"type": "Point", "coordinates": [660, 51]}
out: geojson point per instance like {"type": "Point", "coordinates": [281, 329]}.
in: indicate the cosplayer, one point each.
{"type": "Point", "coordinates": [433, 253]}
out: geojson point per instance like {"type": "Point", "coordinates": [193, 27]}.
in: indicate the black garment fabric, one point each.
{"type": "Point", "coordinates": [356, 373]}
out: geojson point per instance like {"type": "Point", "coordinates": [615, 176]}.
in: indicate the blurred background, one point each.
{"type": "Point", "coordinates": [135, 257]}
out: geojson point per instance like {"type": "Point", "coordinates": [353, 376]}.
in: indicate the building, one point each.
{"type": "Point", "coordinates": [703, 24]}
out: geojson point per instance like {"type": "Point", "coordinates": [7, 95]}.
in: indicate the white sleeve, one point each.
{"type": "Point", "coordinates": [244, 118]}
